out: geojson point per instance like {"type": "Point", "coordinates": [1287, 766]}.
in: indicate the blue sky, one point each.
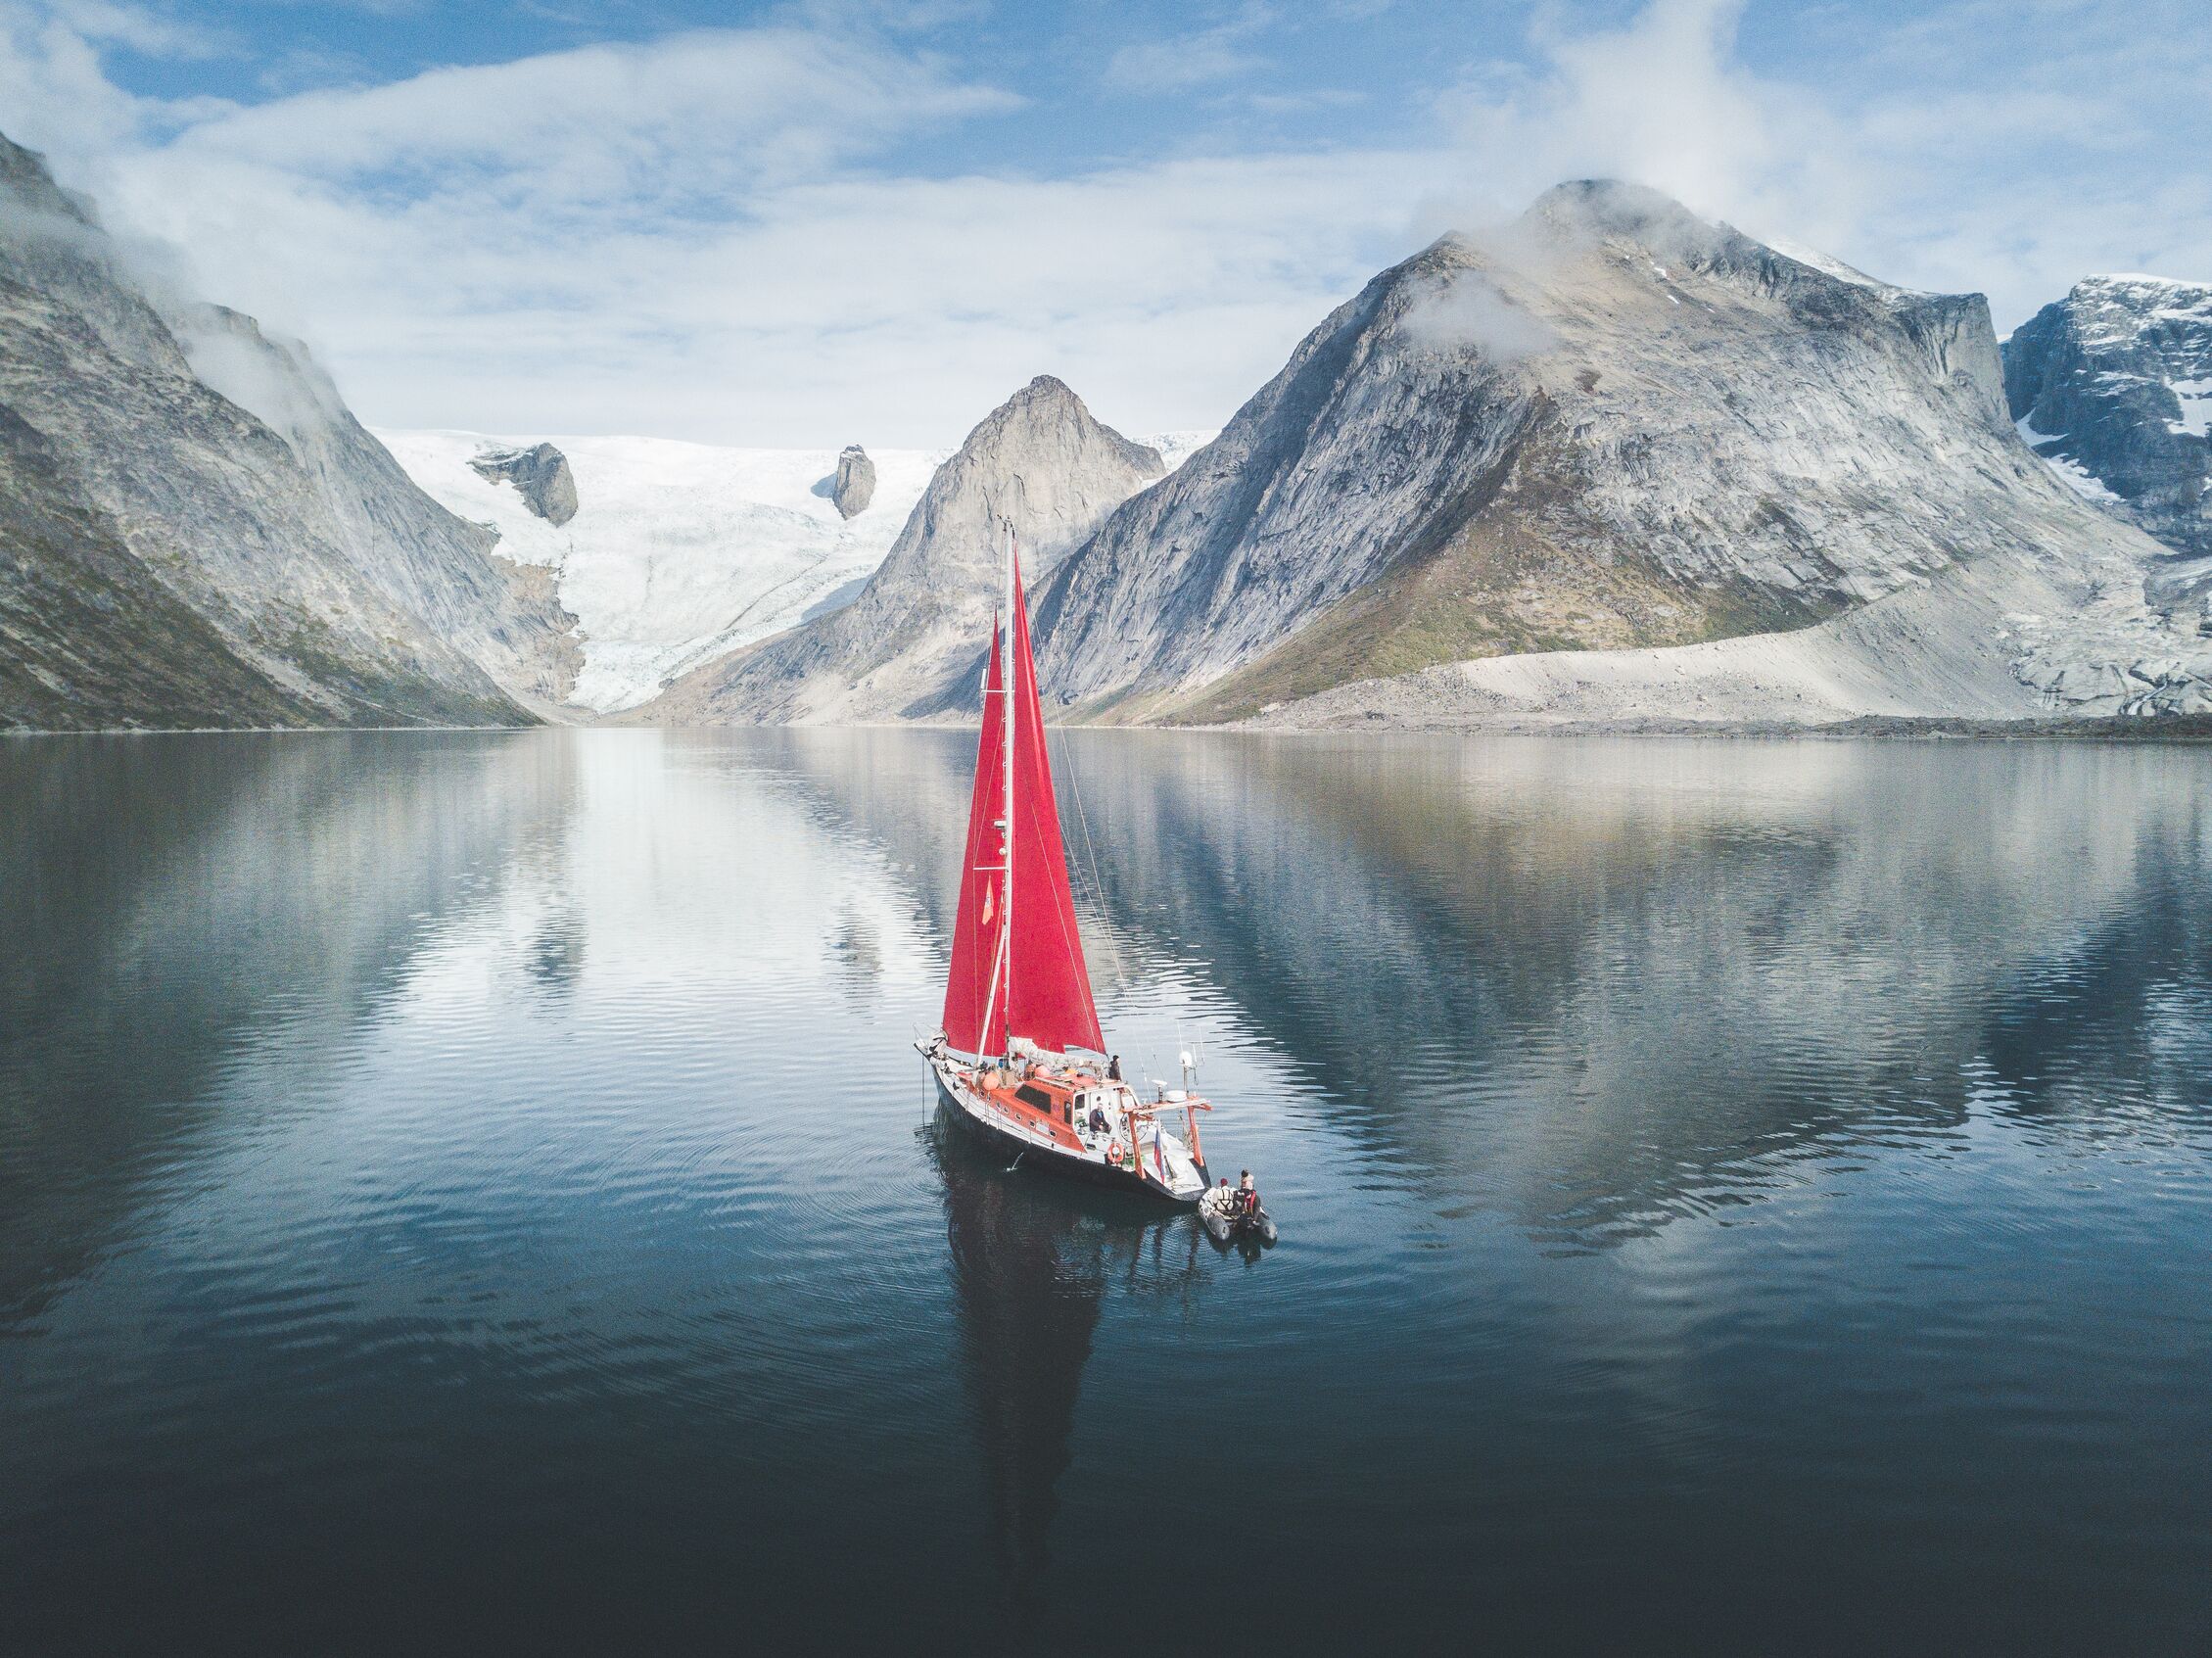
{"type": "Point", "coordinates": [817, 223]}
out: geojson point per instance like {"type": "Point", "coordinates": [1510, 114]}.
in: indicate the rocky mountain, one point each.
{"type": "Point", "coordinates": [677, 552]}
{"type": "Point", "coordinates": [1609, 431]}
{"type": "Point", "coordinates": [199, 533]}
{"type": "Point", "coordinates": [910, 644]}
{"type": "Point", "coordinates": [854, 484]}
{"type": "Point", "coordinates": [2112, 386]}
{"type": "Point", "coordinates": [540, 475]}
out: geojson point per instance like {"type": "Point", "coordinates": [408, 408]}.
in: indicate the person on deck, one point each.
{"type": "Point", "coordinates": [1113, 1068]}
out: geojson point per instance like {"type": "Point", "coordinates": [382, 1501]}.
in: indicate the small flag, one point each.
{"type": "Point", "coordinates": [989, 895]}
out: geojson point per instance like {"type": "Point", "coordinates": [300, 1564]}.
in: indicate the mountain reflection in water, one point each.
{"type": "Point", "coordinates": [1736, 1195]}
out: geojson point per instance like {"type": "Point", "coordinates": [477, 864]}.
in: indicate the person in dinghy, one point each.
{"type": "Point", "coordinates": [1021, 1059]}
{"type": "Point", "coordinates": [1233, 1214]}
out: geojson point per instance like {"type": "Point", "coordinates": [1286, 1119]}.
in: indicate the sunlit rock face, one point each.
{"type": "Point", "coordinates": [1608, 428]}
{"type": "Point", "coordinates": [912, 645]}
{"type": "Point", "coordinates": [201, 533]}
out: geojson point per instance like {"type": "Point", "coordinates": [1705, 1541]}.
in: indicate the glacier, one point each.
{"type": "Point", "coordinates": [678, 551]}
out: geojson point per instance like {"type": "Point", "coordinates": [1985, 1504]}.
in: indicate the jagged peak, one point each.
{"type": "Point", "coordinates": [1572, 212]}
{"type": "Point", "coordinates": [1580, 216]}
{"type": "Point", "coordinates": [1044, 399]}
{"type": "Point", "coordinates": [1045, 403]}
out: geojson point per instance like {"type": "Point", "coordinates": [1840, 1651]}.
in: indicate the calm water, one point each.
{"type": "Point", "coordinates": [1738, 1198]}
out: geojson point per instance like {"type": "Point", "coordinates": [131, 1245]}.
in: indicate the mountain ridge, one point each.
{"type": "Point", "coordinates": [1612, 426]}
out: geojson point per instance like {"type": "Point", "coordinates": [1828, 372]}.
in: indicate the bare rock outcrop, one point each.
{"type": "Point", "coordinates": [540, 476]}
{"type": "Point", "coordinates": [854, 485]}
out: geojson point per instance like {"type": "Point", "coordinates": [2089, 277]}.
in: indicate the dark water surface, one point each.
{"type": "Point", "coordinates": [1737, 1197]}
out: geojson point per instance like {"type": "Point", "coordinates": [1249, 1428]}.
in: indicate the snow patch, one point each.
{"type": "Point", "coordinates": [2072, 473]}
{"type": "Point", "coordinates": [2079, 478]}
{"type": "Point", "coordinates": [2196, 399]}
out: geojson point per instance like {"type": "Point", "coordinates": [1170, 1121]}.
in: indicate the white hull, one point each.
{"type": "Point", "coordinates": [1160, 1163]}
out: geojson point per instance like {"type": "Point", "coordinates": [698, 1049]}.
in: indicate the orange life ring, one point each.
{"type": "Point", "coordinates": [1113, 1152]}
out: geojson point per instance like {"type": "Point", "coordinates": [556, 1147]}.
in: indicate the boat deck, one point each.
{"type": "Point", "coordinates": [1094, 1120]}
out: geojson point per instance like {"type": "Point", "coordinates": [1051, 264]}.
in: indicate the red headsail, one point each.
{"type": "Point", "coordinates": [1042, 991]}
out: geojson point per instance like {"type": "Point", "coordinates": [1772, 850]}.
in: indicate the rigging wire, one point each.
{"type": "Point", "coordinates": [1091, 855]}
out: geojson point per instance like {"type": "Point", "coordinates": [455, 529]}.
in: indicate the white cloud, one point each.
{"type": "Point", "coordinates": [55, 95]}
{"type": "Point", "coordinates": [1466, 311]}
{"type": "Point", "coordinates": [685, 116]}
{"type": "Point", "coordinates": [683, 239]}
{"type": "Point", "coordinates": [2089, 153]}
{"type": "Point", "coordinates": [883, 310]}
{"type": "Point", "coordinates": [135, 28]}
{"type": "Point", "coordinates": [716, 235]}
{"type": "Point", "coordinates": [1196, 58]}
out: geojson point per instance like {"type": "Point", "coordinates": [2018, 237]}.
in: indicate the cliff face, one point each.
{"type": "Point", "coordinates": [2112, 386]}
{"type": "Point", "coordinates": [200, 533]}
{"type": "Point", "coordinates": [912, 643]}
{"type": "Point", "coordinates": [1610, 426]}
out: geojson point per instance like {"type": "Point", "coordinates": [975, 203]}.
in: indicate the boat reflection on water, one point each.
{"type": "Point", "coordinates": [1032, 1264]}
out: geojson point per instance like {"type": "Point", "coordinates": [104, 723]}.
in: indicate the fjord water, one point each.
{"type": "Point", "coordinates": [1737, 1197]}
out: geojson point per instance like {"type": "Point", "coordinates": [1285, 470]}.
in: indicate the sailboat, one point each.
{"type": "Point", "coordinates": [1021, 1059]}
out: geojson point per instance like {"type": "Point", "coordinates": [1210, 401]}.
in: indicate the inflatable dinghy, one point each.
{"type": "Point", "coordinates": [1227, 1221]}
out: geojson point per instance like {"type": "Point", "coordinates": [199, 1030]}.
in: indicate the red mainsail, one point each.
{"type": "Point", "coordinates": [1026, 980]}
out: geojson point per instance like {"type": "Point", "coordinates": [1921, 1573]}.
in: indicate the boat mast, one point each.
{"type": "Point", "coordinates": [1007, 662]}
{"type": "Point", "coordinates": [1002, 956]}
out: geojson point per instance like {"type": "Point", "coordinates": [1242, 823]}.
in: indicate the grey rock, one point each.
{"type": "Point", "coordinates": [1609, 427]}
{"type": "Point", "coordinates": [199, 533]}
{"type": "Point", "coordinates": [854, 484]}
{"type": "Point", "coordinates": [912, 643]}
{"type": "Point", "coordinates": [2113, 383]}
{"type": "Point", "coordinates": [540, 476]}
